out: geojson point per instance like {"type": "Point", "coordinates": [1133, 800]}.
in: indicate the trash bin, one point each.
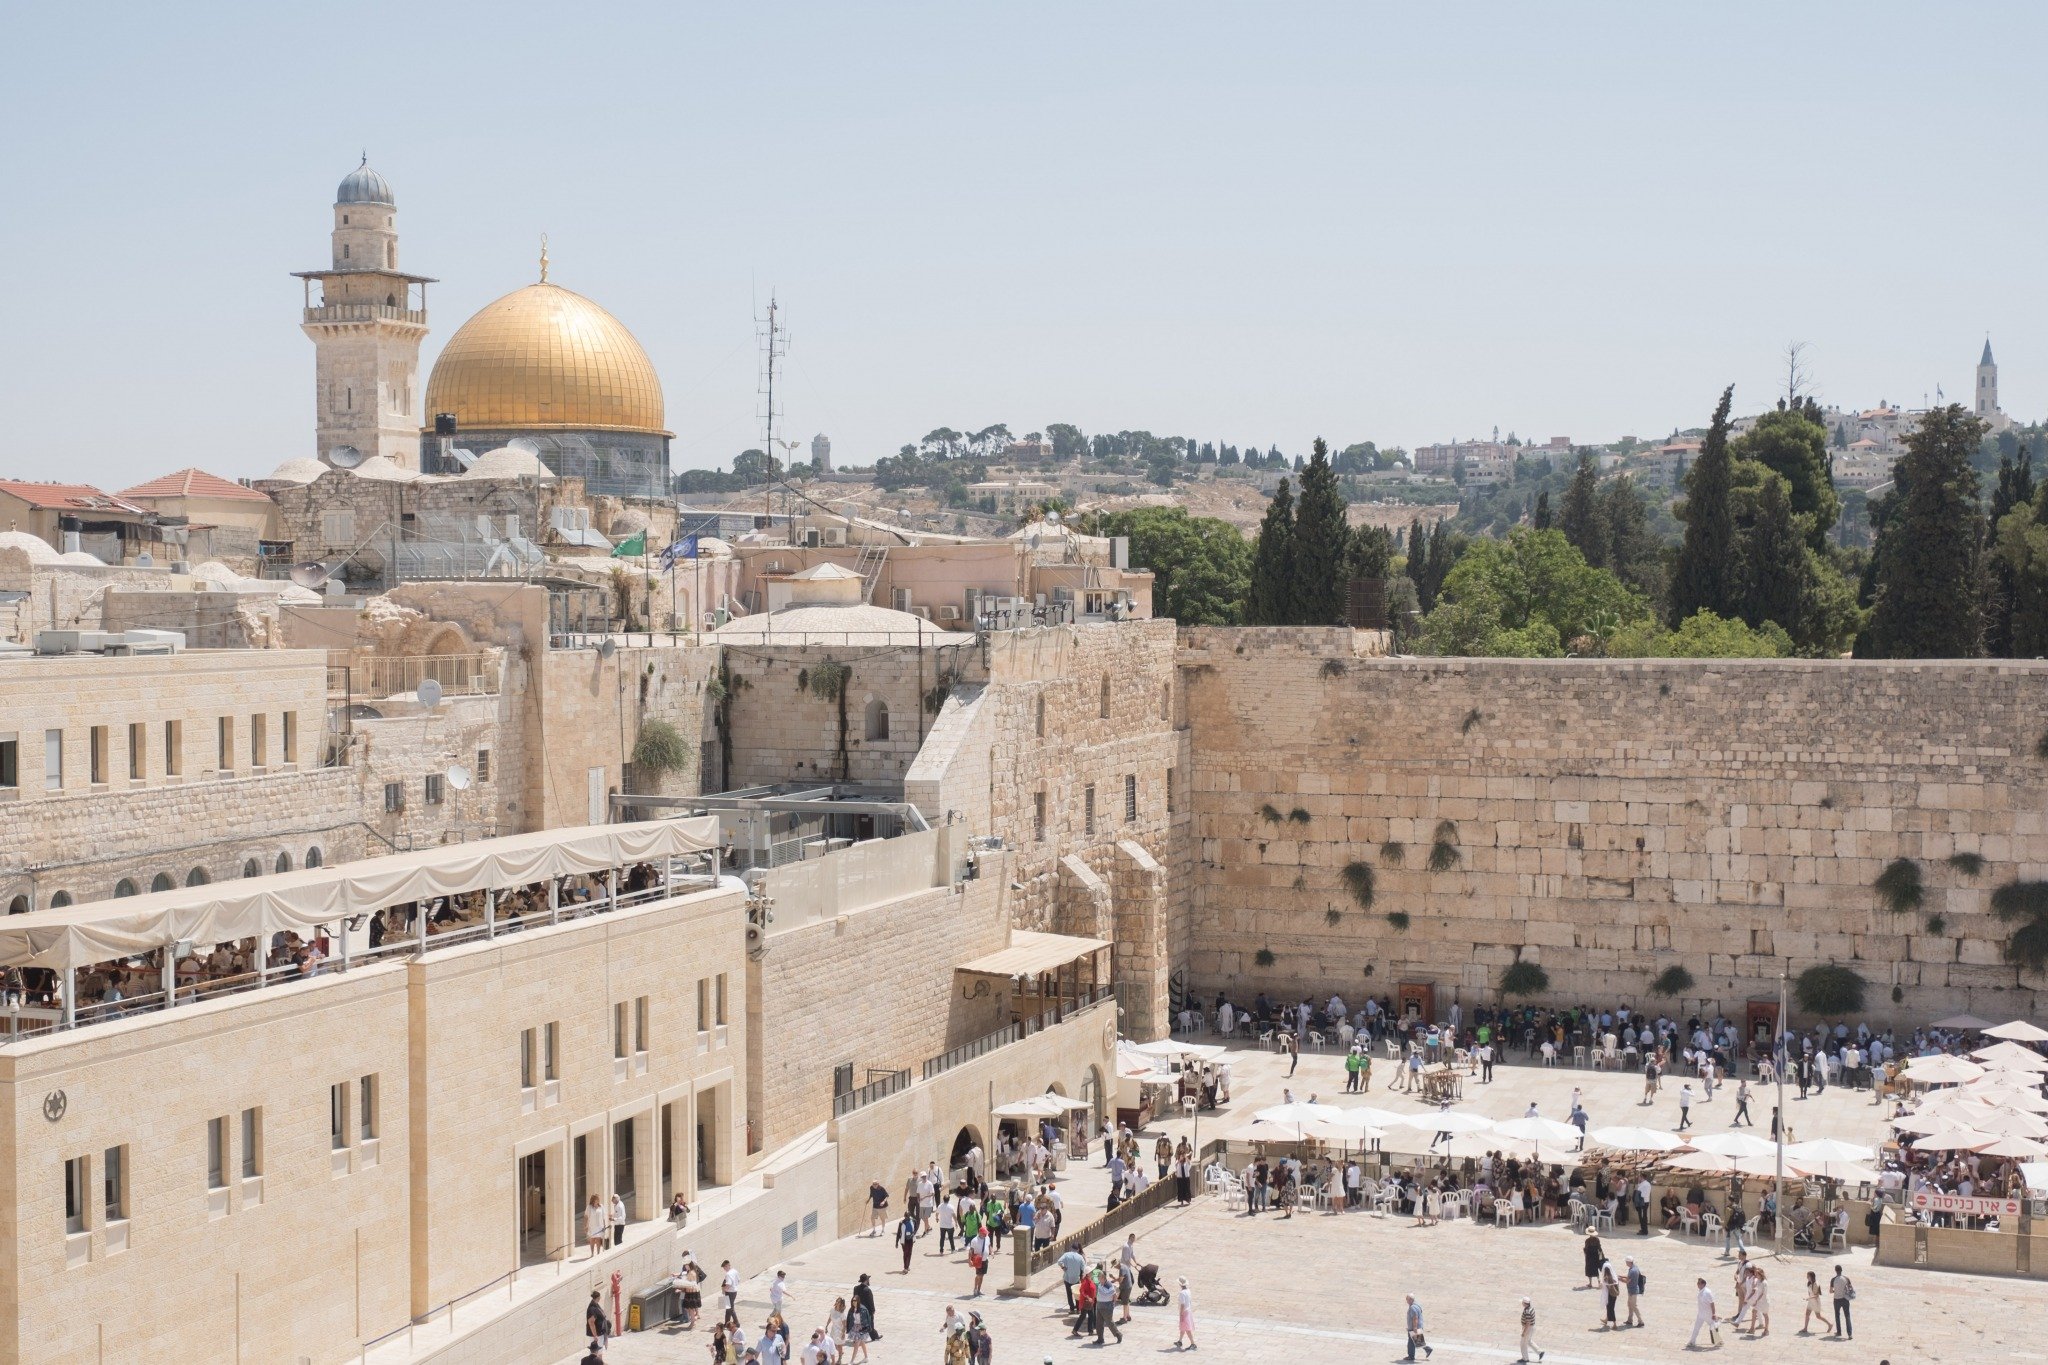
{"type": "Point", "coordinates": [651, 1307]}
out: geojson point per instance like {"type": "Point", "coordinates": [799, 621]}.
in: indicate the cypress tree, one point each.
{"type": "Point", "coordinates": [1925, 603]}
{"type": "Point", "coordinates": [1708, 575]}
{"type": "Point", "coordinates": [1540, 518]}
{"type": "Point", "coordinates": [2015, 489]}
{"type": "Point", "coordinates": [1774, 569]}
{"type": "Point", "coordinates": [1321, 538]}
{"type": "Point", "coordinates": [1580, 519]}
{"type": "Point", "coordinates": [1270, 595]}
{"type": "Point", "coordinates": [1632, 549]}
{"type": "Point", "coordinates": [1444, 549]}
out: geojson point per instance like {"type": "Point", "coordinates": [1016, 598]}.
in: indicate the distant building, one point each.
{"type": "Point", "coordinates": [1987, 408]}
{"type": "Point", "coordinates": [1451, 457]}
{"type": "Point", "coordinates": [1863, 465]}
{"type": "Point", "coordinates": [821, 453]}
{"type": "Point", "coordinates": [1013, 497]}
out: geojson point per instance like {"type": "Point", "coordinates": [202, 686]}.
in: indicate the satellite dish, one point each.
{"type": "Point", "coordinates": [1052, 515]}
{"type": "Point", "coordinates": [344, 457]}
{"type": "Point", "coordinates": [311, 574]}
{"type": "Point", "coordinates": [606, 650]}
{"type": "Point", "coordinates": [429, 693]}
{"type": "Point", "coordinates": [458, 777]}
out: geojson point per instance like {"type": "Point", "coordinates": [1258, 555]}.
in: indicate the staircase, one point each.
{"type": "Point", "coordinates": [869, 567]}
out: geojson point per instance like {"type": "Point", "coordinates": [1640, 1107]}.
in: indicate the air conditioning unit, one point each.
{"type": "Point", "coordinates": [835, 535]}
{"type": "Point", "coordinates": [925, 612]}
{"type": "Point", "coordinates": [899, 598]}
{"type": "Point", "coordinates": [974, 604]}
{"type": "Point", "coordinates": [948, 612]}
{"type": "Point", "coordinates": [811, 538]}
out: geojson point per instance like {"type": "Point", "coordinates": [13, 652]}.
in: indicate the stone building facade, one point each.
{"type": "Point", "coordinates": [1606, 820]}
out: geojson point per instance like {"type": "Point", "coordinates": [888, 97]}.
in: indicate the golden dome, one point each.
{"type": "Point", "coordinates": [545, 359]}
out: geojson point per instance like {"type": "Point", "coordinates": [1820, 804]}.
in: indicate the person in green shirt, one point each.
{"type": "Point", "coordinates": [1351, 1064]}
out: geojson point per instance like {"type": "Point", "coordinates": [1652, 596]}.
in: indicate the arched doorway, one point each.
{"type": "Point", "coordinates": [124, 887]}
{"type": "Point", "coordinates": [313, 858]}
{"type": "Point", "coordinates": [968, 1151]}
{"type": "Point", "coordinates": [284, 862]}
{"type": "Point", "coordinates": [252, 868]}
{"type": "Point", "coordinates": [60, 900]}
{"type": "Point", "coordinates": [1091, 1091]}
{"type": "Point", "coordinates": [161, 882]}
{"type": "Point", "coordinates": [18, 906]}
{"type": "Point", "coordinates": [197, 877]}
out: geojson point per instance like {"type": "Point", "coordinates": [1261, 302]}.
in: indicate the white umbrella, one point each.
{"type": "Point", "coordinates": [1168, 1047]}
{"type": "Point", "coordinates": [2009, 1123]}
{"type": "Point", "coordinates": [1942, 1069]}
{"type": "Point", "coordinates": [1829, 1149]}
{"type": "Point", "coordinates": [2002, 1097]}
{"type": "Point", "coordinates": [2035, 1173]}
{"type": "Point", "coordinates": [1846, 1171]}
{"type": "Point", "coordinates": [1037, 1107]}
{"type": "Point", "coordinates": [1453, 1123]}
{"type": "Point", "coordinates": [2020, 1031]}
{"type": "Point", "coordinates": [1264, 1130]}
{"type": "Point", "coordinates": [1366, 1114]}
{"type": "Point", "coordinates": [1627, 1139]}
{"type": "Point", "coordinates": [1953, 1140]}
{"type": "Point", "coordinates": [2027, 1149]}
{"type": "Point", "coordinates": [1707, 1161]}
{"type": "Point", "coordinates": [1929, 1123]}
{"type": "Point", "coordinates": [2011, 1056]}
{"type": "Point", "coordinates": [1734, 1144]}
{"type": "Point", "coordinates": [1300, 1111]}
{"type": "Point", "coordinates": [1536, 1129]}
{"type": "Point", "coordinates": [1962, 1021]}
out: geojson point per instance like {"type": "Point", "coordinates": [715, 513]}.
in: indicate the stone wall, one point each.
{"type": "Point", "coordinates": [1607, 819]}
{"type": "Point", "coordinates": [783, 731]}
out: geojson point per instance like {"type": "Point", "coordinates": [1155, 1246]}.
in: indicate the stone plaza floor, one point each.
{"type": "Point", "coordinates": [1328, 1287]}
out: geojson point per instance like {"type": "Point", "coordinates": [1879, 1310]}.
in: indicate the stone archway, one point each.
{"type": "Point", "coordinates": [968, 1142]}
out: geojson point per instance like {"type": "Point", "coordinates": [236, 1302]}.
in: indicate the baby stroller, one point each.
{"type": "Point", "coordinates": [1150, 1291]}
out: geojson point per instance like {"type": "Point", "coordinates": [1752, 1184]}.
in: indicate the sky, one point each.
{"type": "Point", "coordinates": [1233, 222]}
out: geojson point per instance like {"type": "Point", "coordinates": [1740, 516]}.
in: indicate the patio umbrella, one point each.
{"type": "Point", "coordinates": [1963, 1021]}
{"type": "Point", "coordinates": [1168, 1047]}
{"type": "Point", "coordinates": [1301, 1113]}
{"type": "Point", "coordinates": [1941, 1069]}
{"type": "Point", "coordinates": [2027, 1149]}
{"type": "Point", "coordinates": [1627, 1139]}
{"type": "Point", "coordinates": [1829, 1149]}
{"type": "Point", "coordinates": [1953, 1140]}
{"type": "Point", "coordinates": [1037, 1107]}
{"type": "Point", "coordinates": [1537, 1129]}
{"type": "Point", "coordinates": [1377, 1118]}
{"type": "Point", "coordinates": [1453, 1123]}
{"type": "Point", "coordinates": [2035, 1173]}
{"type": "Point", "coordinates": [1847, 1172]}
{"type": "Point", "coordinates": [2010, 1056]}
{"type": "Point", "coordinates": [2019, 1031]}
{"type": "Point", "coordinates": [1929, 1123]}
{"type": "Point", "coordinates": [2002, 1096]}
{"type": "Point", "coordinates": [2009, 1123]}
{"type": "Point", "coordinates": [1735, 1145]}
{"type": "Point", "coordinates": [1708, 1163]}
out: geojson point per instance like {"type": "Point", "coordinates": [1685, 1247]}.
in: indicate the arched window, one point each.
{"type": "Point", "coordinates": [284, 862]}
{"type": "Point", "coordinates": [161, 882]}
{"type": "Point", "coordinates": [60, 900]}
{"type": "Point", "coordinates": [252, 868]}
{"type": "Point", "coordinates": [197, 877]}
{"type": "Point", "coordinates": [313, 858]}
{"type": "Point", "coordinates": [18, 906]}
{"type": "Point", "coordinates": [124, 887]}
{"type": "Point", "coordinates": [1105, 696]}
{"type": "Point", "coordinates": [878, 719]}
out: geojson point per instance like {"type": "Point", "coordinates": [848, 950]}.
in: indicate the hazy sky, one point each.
{"type": "Point", "coordinates": [1246, 222]}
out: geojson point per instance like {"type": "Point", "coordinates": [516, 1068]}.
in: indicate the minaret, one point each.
{"type": "Point", "coordinates": [1987, 386]}
{"type": "Point", "coordinates": [366, 327]}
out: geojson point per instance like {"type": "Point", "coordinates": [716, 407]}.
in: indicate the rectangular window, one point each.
{"type": "Point", "coordinates": [1130, 797]}
{"type": "Point", "coordinates": [394, 797]}
{"type": "Point", "coordinates": [433, 788]}
{"type": "Point", "coordinates": [259, 741]}
{"type": "Point", "coordinates": [1038, 817]}
{"type": "Point", "coordinates": [96, 740]}
{"type": "Point", "coordinates": [289, 733]}
{"type": "Point", "coordinates": [10, 761]}
{"type": "Point", "coordinates": [252, 1143]}
{"type": "Point", "coordinates": [1167, 787]}
{"type": "Point", "coordinates": [53, 759]}
{"type": "Point", "coordinates": [337, 1115]}
{"type": "Point", "coordinates": [138, 751]}
{"type": "Point", "coordinates": [366, 1108]}
{"type": "Point", "coordinates": [114, 1182]}
{"type": "Point", "coordinates": [619, 1039]}
{"type": "Point", "coordinates": [174, 748]}
{"type": "Point", "coordinates": [551, 1052]}
{"type": "Point", "coordinates": [718, 998]}
{"type": "Point", "coordinates": [640, 1024]}
{"type": "Point", "coordinates": [1088, 809]}
{"type": "Point", "coordinates": [483, 765]}
{"type": "Point", "coordinates": [529, 1060]}
{"type": "Point", "coordinates": [703, 1003]}
{"type": "Point", "coordinates": [338, 528]}
{"type": "Point", "coordinates": [216, 1153]}
{"type": "Point", "coordinates": [224, 744]}
{"type": "Point", "coordinates": [74, 1194]}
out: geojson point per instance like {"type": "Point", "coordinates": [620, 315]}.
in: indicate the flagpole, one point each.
{"type": "Point", "coordinates": [1778, 1182]}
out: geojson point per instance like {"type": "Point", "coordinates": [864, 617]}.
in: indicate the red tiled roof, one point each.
{"type": "Point", "coordinates": [192, 483]}
{"type": "Point", "coordinates": [66, 497]}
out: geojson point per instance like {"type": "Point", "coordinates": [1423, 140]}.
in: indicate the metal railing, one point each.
{"type": "Point", "coordinates": [1023, 1028]}
{"type": "Point", "coordinates": [364, 312]}
{"type": "Point", "coordinates": [880, 1088]}
{"type": "Point", "coordinates": [475, 675]}
{"type": "Point", "coordinates": [1027, 1264]}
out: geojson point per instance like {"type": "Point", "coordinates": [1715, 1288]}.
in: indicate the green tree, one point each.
{"type": "Point", "coordinates": [1708, 574]}
{"type": "Point", "coordinates": [1792, 443]}
{"type": "Point", "coordinates": [1529, 595]}
{"type": "Point", "coordinates": [1925, 602]}
{"type": "Point", "coordinates": [1200, 565]}
{"type": "Point", "coordinates": [1370, 553]}
{"type": "Point", "coordinates": [1067, 441]}
{"type": "Point", "coordinates": [1539, 518]}
{"type": "Point", "coordinates": [1633, 552]}
{"type": "Point", "coordinates": [1321, 539]}
{"type": "Point", "coordinates": [1702, 635]}
{"type": "Point", "coordinates": [1774, 562]}
{"type": "Point", "coordinates": [2023, 553]}
{"type": "Point", "coordinates": [2015, 488]}
{"type": "Point", "coordinates": [1269, 592]}
{"type": "Point", "coordinates": [1580, 518]}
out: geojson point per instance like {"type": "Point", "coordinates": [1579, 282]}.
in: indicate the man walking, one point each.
{"type": "Point", "coordinates": [1415, 1338]}
{"type": "Point", "coordinates": [1634, 1281]}
{"type": "Point", "coordinates": [1684, 1107]}
{"type": "Point", "coordinates": [1841, 1290]}
{"type": "Point", "coordinates": [729, 1286]}
{"type": "Point", "coordinates": [1351, 1070]}
{"type": "Point", "coordinates": [1643, 1193]}
{"type": "Point", "coordinates": [878, 1207]}
{"type": "Point", "coordinates": [1704, 1318]}
{"type": "Point", "coordinates": [1072, 1266]}
{"type": "Point", "coordinates": [1742, 1106]}
{"type": "Point", "coordinates": [906, 1237]}
{"type": "Point", "coordinates": [1486, 1063]}
{"type": "Point", "coordinates": [1529, 1346]}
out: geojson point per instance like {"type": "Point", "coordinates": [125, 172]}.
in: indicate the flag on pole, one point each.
{"type": "Point", "coordinates": [633, 545]}
{"type": "Point", "coordinates": [686, 548]}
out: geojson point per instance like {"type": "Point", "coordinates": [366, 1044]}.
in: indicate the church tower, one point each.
{"type": "Point", "coordinates": [366, 324]}
{"type": "Point", "coordinates": [1987, 386]}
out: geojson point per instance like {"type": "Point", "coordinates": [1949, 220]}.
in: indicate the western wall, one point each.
{"type": "Point", "coordinates": [1605, 819]}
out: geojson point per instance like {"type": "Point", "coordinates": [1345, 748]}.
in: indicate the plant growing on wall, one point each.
{"type": "Point", "coordinates": [2024, 904]}
{"type": "Point", "coordinates": [1271, 814]}
{"type": "Point", "coordinates": [1969, 864]}
{"type": "Point", "coordinates": [1673, 980]}
{"type": "Point", "coordinates": [828, 682]}
{"type": "Point", "coordinates": [1398, 919]}
{"type": "Point", "coordinates": [660, 749]}
{"type": "Point", "coordinates": [1333, 668]}
{"type": "Point", "coordinates": [1358, 880]}
{"type": "Point", "coordinates": [1298, 816]}
{"type": "Point", "coordinates": [1472, 718]}
{"type": "Point", "coordinates": [2041, 746]}
{"type": "Point", "coordinates": [1829, 990]}
{"type": "Point", "coordinates": [1524, 978]}
{"type": "Point", "coordinates": [1263, 957]}
{"type": "Point", "coordinates": [1899, 886]}
{"type": "Point", "coordinates": [1936, 923]}
{"type": "Point", "coordinates": [1443, 849]}
{"type": "Point", "coordinates": [1332, 915]}
{"type": "Point", "coordinates": [1392, 852]}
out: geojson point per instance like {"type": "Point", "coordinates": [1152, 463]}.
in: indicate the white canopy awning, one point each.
{"type": "Point", "coordinates": [102, 931]}
{"type": "Point", "coordinates": [1030, 953]}
{"type": "Point", "coordinates": [1037, 1107]}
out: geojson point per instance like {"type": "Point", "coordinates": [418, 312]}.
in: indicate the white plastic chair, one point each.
{"type": "Point", "coordinates": [1838, 1237]}
{"type": "Point", "coordinates": [1503, 1213]}
{"type": "Point", "coordinates": [1710, 1226]}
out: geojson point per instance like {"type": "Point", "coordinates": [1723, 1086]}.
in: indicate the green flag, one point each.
{"type": "Point", "coordinates": [633, 545]}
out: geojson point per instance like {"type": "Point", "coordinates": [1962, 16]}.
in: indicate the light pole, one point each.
{"type": "Point", "coordinates": [1778, 1119]}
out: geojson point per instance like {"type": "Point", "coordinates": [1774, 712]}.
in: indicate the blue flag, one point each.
{"type": "Point", "coordinates": [686, 548]}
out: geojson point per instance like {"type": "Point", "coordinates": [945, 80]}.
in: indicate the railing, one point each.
{"type": "Point", "coordinates": [880, 1088]}
{"type": "Point", "coordinates": [473, 675]}
{"type": "Point", "coordinates": [1027, 1264]}
{"type": "Point", "coordinates": [1023, 1028]}
{"type": "Point", "coordinates": [364, 312]}
{"type": "Point", "coordinates": [558, 1258]}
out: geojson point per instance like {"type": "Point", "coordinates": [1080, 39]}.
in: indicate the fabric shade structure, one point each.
{"type": "Point", "coordinates": [1301, 1111]}
{"type": "Point", "coordinates": [2011, 1056]}
{"type": "Point", "coordinates": [2005, 1122]}
{"type": "Point", "coordinates": [1990, 1091]}
{"type": "Point", "coordinates": [2035, 1173]}
{"type": "Point", "coordinates": [1734, 1145]}
{"type": "Point", "coordinates": [1483, 1144]}
{"type": "Point", "coordinates": [1829, 1150]}
{"type": "Point", "coordinates": [1366, 1115]}
{"type": "Point", "coordinates": [1628, 1139]}
{"type": "Point", "coordinates": [1452, 1123]}
{"type": "Point", "coordinates": [1942, 1069]}
{"type": "Point", "coordinates": [1037, 1107]}
{"type": "Point", "coordinates": [1169, 1048]}
{"type": "Point", "coordinates": [2025, 1148]}
{"type": "Point", "coordinates": [1536, 1129]}
{"type": "Point", "coordinates": [102, 931]}
{"type": "Point", "coordinates": [2018, 1031]}
{"type": "Point", "coordinates": [1710, 1164]}
{"type": "Point", "coordinates": [1953, 1140]}
{"type": "Point", "coordinates": [1848, 1172]}
{"type": "Point", "coordinates": [1961, 1021]}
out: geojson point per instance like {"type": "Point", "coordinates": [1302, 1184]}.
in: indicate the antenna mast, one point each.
{"type": "Point", "coordinates": [774, 345]}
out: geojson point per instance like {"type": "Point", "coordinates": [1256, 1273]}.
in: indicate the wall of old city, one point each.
{"type": "Point", "coordinates": [783, 731]}
{"type": "Point", "coordinates": [1608, 819]}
